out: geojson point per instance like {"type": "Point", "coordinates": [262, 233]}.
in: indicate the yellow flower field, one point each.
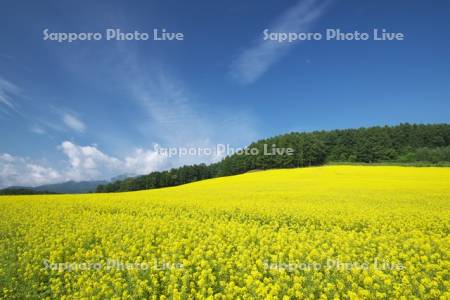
{"type": "Point", "coordinates": [335, 232]}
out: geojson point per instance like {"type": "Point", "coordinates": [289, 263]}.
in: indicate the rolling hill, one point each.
{"type": "Point", "coordinates": [353, 232]}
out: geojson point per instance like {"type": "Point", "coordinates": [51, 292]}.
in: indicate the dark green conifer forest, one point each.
{"type": "Point", "coordinates": [404, 143]}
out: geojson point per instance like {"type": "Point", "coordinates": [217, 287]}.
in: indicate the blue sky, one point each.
{"type": "Point", "coordinates": [95, 109]}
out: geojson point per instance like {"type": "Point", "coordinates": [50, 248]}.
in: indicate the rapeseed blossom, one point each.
{"type": "Point", "coordinates": [336, 232]}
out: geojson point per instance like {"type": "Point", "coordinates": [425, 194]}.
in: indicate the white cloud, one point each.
{"type": "Point", "coordinates": [88, 162]}
{"type": "Point", "coordinates": [82, 163]}
{"type": "Point", "coordinates": [143, 161]}
{"type": "Point", "coordinates": [20, 171]}
{"type": "Point", "coordinates": [73, 122]}
{"type": "Point", "coordinates": [253, 62]}
{"type": "Point", "coordinates": [168, 113]}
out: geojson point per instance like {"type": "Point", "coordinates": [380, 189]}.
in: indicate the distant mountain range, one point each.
{"type": "Point", "coordinates": [68, 187]}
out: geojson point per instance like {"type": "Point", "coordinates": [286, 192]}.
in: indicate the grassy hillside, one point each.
{"type": "Point", "coordinates": [335, 231]}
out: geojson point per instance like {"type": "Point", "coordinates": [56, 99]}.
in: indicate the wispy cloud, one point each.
{"type": "Point", "coordinates": [51, 119]}
{"type": "Point", "coordinates": [174, 117]}
{"type": "Point", "coordinates": [37, 129]}
{"type": "Point", "coordinates": [168, 113]}
{"type": "Point", "coordinates": [42, 119]}
{"type": "Point", "coordinates": [254, 61]}
{"type": "Point", "coordinates": [8, 91]}
{"type": "Point", "coordinates": [73, 122]}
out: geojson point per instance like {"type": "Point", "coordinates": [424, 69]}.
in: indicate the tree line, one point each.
{"type": "Point", "coordinates": [23, 191]}
{"type": "Point", "coordinates": [401, 143]}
